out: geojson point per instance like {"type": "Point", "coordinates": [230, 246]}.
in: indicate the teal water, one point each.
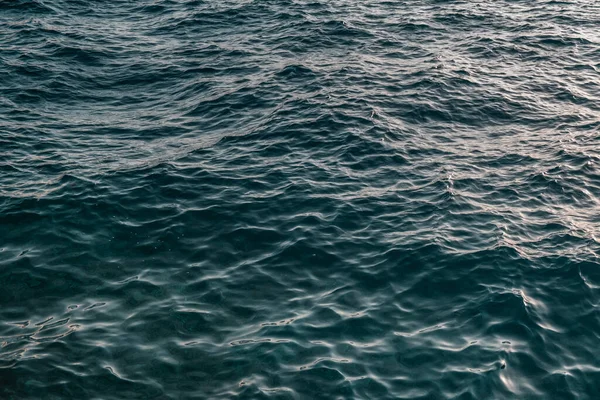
{"type": "Point", "coordinates": [299, 199]}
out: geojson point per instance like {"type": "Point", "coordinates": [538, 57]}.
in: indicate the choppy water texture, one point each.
{"type": "Point", "coordinates": [286, 199]}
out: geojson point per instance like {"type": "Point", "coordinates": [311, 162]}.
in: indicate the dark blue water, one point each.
{"type": "Point", "coordinates": [289, 199]}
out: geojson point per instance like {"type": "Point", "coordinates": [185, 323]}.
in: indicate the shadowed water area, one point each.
{"type": "Point", "coordinates": [287, 199]}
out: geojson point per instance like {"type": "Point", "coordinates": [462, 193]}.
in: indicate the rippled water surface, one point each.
{"type": "Point", "coordinates": [299, 199]}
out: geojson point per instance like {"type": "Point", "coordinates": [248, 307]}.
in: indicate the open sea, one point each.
{"type": "Point", "coordinates": [299, 199]}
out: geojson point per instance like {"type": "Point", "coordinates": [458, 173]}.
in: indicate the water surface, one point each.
{"type": "Point", "coordinates": [299, 199]}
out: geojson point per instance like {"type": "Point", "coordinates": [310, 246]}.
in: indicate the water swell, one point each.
{"type": "Point", "coordinates": [299, 199]}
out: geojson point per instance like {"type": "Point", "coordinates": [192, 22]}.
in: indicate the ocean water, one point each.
{"type": "Point", "coordinates": [299, 199]}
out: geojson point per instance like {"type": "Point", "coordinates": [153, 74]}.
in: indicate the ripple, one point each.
{"type": "Point", "coordinates": [299, 199]}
